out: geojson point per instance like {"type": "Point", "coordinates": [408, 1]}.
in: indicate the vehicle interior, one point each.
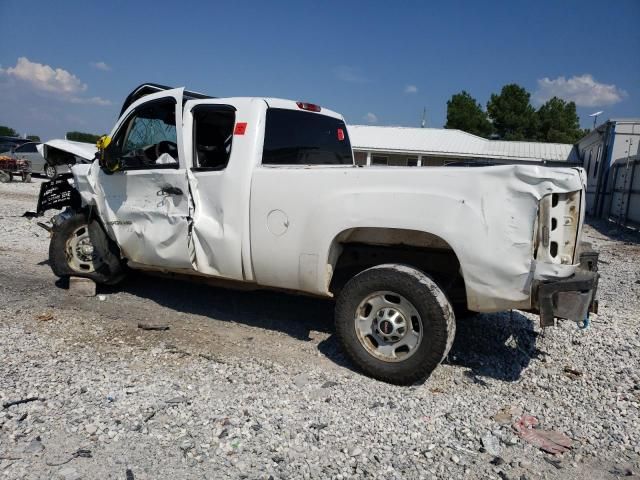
{"type": "Point", "coordinates": [148, 138]}
{"type": "Point", "coordinates": [213, 136]}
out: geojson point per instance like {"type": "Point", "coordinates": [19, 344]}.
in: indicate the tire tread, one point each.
{"type": "Point", "coordinates": [426, 296]}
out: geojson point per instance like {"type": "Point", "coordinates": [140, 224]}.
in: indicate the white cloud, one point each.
{"type": "Point", "coordinates": [350, 74]}
{"type": "Point", "coordinates": [90, 101]}
{"type": "Point", "coordinates": [101, 66]}
{"type": "Point", "coordinates": [582, 89]}
{"type": "Point", "coordinates": [43, 78]}
{"type": "Point", "coordinates": [410, 89]}
{"type": "Point", "coordinates": [370, 118]}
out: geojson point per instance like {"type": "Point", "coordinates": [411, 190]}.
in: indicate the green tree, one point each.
{"type": "Point", "coordinates": [558, 122]}
{"type": "Point", "coordinates": [8, 131]}
{"type": "Point", "coordinates": [513, 116]}
{"type": "Point", "coordinates": [33, 138]}
{"type": "Point", "coordinates": [82, 137]}
{"type": "Point", "coordinates": [466, 114]}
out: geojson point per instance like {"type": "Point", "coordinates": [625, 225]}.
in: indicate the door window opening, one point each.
{"type": "Point", "coordinates": [212, 136]}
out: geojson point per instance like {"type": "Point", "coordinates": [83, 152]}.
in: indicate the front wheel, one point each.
{"type": "Point", "coordinates": [50, 171]}
{"type": "Point", "coordinates": [72, 253]}
{"type": "Point", "coordinates": [394, 323]}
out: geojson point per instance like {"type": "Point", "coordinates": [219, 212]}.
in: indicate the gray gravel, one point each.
{"type": "Point", "coordinates": [253, 384]}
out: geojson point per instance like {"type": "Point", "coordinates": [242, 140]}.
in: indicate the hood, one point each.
{"type": "Point", "coordinates": [66, 152]}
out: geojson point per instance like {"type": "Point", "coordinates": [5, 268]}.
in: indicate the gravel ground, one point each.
{"type": "Point", "coordinates": [253, 384]}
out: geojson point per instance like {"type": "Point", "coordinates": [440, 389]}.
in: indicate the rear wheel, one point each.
{"type": "Point", "coordinates": [50, 171]}
{"type": "Point", "coordinates": [72, 253]}
{"type": "Point", "coordinates": [394, 323]}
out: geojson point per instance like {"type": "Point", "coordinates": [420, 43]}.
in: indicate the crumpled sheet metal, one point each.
{"type": "Point", "coordinates": [487, 215]}
{"type": "Point", "coordinates": [159, 232]}
{"type": "Point", "coordinates": [86, 151]}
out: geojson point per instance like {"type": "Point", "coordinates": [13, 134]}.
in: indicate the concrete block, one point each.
{"type": "Point", "coordinates": [82, 287]}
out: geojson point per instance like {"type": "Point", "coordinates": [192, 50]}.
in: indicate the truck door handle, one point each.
{"type": "Point", "coordinates": [170, 190]}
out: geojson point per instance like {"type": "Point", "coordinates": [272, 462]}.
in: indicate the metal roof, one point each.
{"type": "Point", "coordinates": [454, 143]}
{"type": "Point", "coordinates": [625, 120]}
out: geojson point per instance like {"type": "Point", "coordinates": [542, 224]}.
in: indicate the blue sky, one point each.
{"type": "Point", "coordinates": [68, 65]}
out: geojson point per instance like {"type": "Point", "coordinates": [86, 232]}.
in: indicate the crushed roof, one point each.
{"type": "Point", "coordinates": [454, 143]}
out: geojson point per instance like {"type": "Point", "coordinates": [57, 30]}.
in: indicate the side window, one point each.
{"type": "Point", "coordinates": [212, 136]}
{"type": "Point", "coordinates": [304, 138]}
{"type": "Point", "coordinates": [588, 162]}
{"type": "Point", "coordinates": [26, 148]}
{"type": "Point", "coordinates": [379, 160]}
{"type": "Point", "coordinates": [148, 138]}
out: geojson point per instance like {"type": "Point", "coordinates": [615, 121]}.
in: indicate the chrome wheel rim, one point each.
{"type": "Point", "coordinates": [81, 257]}
{"type": "Point", "coordinates": [49, 171]}
{"type": "Point", "coordinates": [388, 326]}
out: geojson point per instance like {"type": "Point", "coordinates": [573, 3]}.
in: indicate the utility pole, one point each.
{"type": "Point", "coordinates": [423, 124]}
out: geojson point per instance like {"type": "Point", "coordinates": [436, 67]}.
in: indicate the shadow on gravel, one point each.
{"type": "Point", "coordinates": [498, 345]}
{"type": "Point", "coordinates": [490, 345]}
{"type": "Point", "coordinates": [291, 314]}
{"type": "Point", "coordinates": [613, 231]}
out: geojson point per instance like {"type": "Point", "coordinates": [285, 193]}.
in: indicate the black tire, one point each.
{"type": "Point", "coordinates": [50, 171]}
{"type": "Point", "coordinates": [105, 265]}
{"type": "Point", "coordinates": [438, 322]}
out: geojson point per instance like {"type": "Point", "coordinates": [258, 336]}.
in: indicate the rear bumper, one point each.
{"type": "Point", "coordinates": [570, 298]}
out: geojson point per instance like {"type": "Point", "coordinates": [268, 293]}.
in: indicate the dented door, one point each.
{"type": "Point", "coordinates": [221, 140]}
{"type": "Point", "coordinates": [145, 204]}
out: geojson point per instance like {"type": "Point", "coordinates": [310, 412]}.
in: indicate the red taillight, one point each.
{"type": "Point", "coordinates": [340, 134]}
{"type": "Point", "coordinates": [312, 107]}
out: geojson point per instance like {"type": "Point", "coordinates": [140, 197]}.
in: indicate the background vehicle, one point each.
{"type": "Point", "coordinates": [32, 151]}
{"type": "Point", "coordinates": [7, 144]}
{"type": "Point", "coordinates": [264, 191]}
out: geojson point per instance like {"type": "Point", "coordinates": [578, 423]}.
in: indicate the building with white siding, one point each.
{"type": "Point", "coordinates": [610, 154]}
{"type": "Point", "coordinates": [404, 146]}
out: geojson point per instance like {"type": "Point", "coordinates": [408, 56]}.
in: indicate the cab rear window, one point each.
{"type": "Point", "coordinates": [304, 138]}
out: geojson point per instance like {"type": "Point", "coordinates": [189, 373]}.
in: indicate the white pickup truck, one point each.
{"type": "Point", "coordinates": [264, 191]}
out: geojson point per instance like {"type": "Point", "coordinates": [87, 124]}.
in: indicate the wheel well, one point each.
{"type": "Point", "coordinates": [355, 250]}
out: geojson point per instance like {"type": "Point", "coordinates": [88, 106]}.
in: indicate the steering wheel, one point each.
{"type": "Point", "coordinates": [165, 146]}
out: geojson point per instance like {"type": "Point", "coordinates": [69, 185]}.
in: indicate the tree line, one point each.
{"type": "Point", "coordinates": [74, 136]}
{"type": "Point", "coordinates": [510, 116]}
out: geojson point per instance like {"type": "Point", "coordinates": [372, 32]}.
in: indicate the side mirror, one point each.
{"type": "Point", "coordinates": [108, 156]}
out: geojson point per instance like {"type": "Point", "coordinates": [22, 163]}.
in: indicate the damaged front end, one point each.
{"type": "Point", "coordinates": [560, 220]}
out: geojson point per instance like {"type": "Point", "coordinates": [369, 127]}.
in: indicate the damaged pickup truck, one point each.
{"type": "Point", "coordinates": [264, 191]}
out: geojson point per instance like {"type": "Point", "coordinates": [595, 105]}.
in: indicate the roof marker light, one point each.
{"type": "Point", "coordinates": [312, 107]}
